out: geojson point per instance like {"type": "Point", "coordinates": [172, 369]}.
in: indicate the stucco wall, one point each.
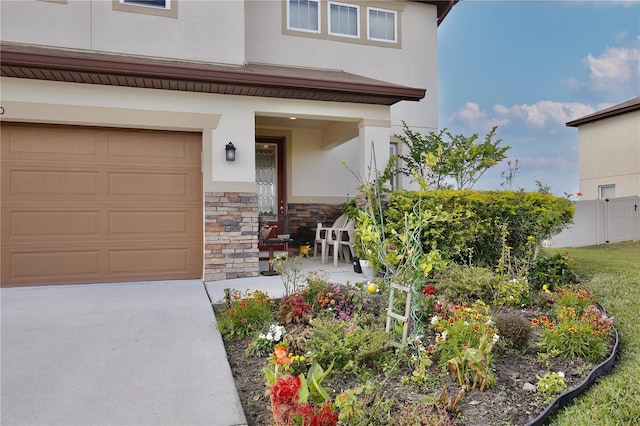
{"type": "Point", "coordinates": [209, 31]}
{"type": "Point", "coordinates": [609, 153]}
{"type": "Point", "coordinates": [414, 64]}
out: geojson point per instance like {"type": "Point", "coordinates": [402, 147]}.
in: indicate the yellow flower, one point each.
{"type": "Point", "coordinates": [546, 288]}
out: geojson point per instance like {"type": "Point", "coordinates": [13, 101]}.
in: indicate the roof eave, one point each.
{"type": "Point", "coordinates": [248, 77]}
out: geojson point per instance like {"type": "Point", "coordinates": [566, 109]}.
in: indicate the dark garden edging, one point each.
{"type": "Point", "coordinates": [567, 396]}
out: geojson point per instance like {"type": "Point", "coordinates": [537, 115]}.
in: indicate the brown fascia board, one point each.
{"type": "Point", "coordinates": [444, 7]}
{"type": "Point", "coordinates": [628, 106]}
{"type": "Point", "coordinates": [250, 75]}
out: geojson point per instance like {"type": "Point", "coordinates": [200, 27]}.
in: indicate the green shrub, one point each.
{"type": "Point", "coordinates": [467, 227]}
{"type": "Point", "coordinates": [552, 271]}
{"type": "Point", "coordinates": [347, 343]}
{"type": "Point", "coordinates": [466, 284]}
{"type": "Point", "coordinates": [246, 314]}
{"type": "Point", "coordinates": [514, 329]}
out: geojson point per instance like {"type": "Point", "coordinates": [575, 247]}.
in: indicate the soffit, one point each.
{"type": "Point", "coordinates": [88, 67]}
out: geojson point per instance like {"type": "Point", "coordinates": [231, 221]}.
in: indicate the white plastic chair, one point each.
{"type": "Point", "coordinates": [338, 239]}
{"type": "Point", "coordinates": [321, 235]}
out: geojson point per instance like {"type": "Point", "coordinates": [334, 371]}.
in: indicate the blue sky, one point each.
{"type": "Point", "coordinates": [529, 67]}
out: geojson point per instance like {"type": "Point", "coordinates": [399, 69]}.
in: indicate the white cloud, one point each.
{"type": "Point", "coordinates": [616, 71]}
{"type": "Point", "coordinates": [472, 116]}
{"type": "Point", "coordinates": [542, 114]}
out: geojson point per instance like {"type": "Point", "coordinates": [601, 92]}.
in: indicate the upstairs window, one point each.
{"type": "Point", "coordinates": [166, 8]}
{"type": "Point", "coordinates": [382, 25]}
{"type": "Point", "coordinates": [344, 20]}
{"type": "Point", "coordinates": [303, 15]}
{"type": "Point", "coordinates": [162, 4]}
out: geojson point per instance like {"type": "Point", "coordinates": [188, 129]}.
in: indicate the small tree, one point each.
{"type": "Point", "coordinates": [438, 156]}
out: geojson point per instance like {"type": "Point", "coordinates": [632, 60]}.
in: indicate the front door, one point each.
{"type": "Point", "coordinates": [270, 180]}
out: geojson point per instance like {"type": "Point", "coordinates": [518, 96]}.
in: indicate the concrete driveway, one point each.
{"type": "Point", "coordinates": [114, 354]}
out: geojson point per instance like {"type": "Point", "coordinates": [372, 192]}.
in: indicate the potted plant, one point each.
{"type": "Point", "coordinates": [303, 236]}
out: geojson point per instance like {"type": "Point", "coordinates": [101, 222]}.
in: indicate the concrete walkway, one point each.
{"type": "Point", "coordinates": [133, 354]}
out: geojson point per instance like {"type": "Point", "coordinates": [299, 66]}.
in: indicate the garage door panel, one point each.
{"type": "Point", "coordinates": [38, 224]}
{"type": "Point", "coordinates": [56, 144]}
{"type": "Point", "coordinates": [148, 184]}
{"type": "Point", "coordinates": [154, 224]}
{"type": "Point", "coordinates": [53, 182]}
{"type": "Point", "coordinates": [86, 205]}
{"type": "Point", "coordinates": [54, 266]}
{"type": "Point", "coordinates": [149, 149]}
{"type": "Point", "coordinates": [142, 261]}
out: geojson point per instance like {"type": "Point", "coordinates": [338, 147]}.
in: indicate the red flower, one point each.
{"type": "Point", "coordinates": [429, 290]}
{"type": "Point", "coordinates": [284, 399]}
{"type": "Point", "coordinates": [325, 417]}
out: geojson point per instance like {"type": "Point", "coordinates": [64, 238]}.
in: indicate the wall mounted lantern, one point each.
{"type": "Point", "coordinates": [231, 152]}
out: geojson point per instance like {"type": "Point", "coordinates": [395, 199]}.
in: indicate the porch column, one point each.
{"type": "Point", "coordinates": [374, 136]}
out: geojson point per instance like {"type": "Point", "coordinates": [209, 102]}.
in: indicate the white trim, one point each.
{"type": "Point", "coordinates": [356, 7]}
{"type": "Point", "coordinates": [395, 24]}
{"type": "Point", "coordinates": [306, 30]}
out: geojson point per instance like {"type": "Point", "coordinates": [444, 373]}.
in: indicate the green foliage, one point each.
{"type": "Point", "coordinates": [465, 225]}
{"type": "Point", "coordinates": [514, 329]}
{"type": "Point", "coordinates": [303, 235]}
{"type": "Point", "coordinates": [466, 284]}
{"type": "Point", "coordinates": [348, 344]}
{"type": "Point", "coordinates": [290, 271]}
{"type": "Point", "coordinates": [264, 343]}
{"type": "Point", "coordinates": [433, 158]}
{"type": "Point", "coordinates": [460, 326]}
{"type": "Point", "coordinates": [576, 296]}
{"type": "Point", "coordinates": [553, 271]}
{"type": "Point", "coordinates": [551, 384]}
{"type": "Point", "coordinates": [316, 282]}
{"type": "Point", "coordinates": [511, 292]}
{"type": "Point", "coordinates": [577, 336]}
{"type": "Point", "coordinates": [246, 314]}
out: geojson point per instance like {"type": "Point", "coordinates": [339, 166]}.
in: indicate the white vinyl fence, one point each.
{"type": "Point", "coordinates": [601, 221]}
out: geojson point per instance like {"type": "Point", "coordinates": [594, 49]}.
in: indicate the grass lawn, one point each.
{"type": "Point", "coordinates": [612, 272]}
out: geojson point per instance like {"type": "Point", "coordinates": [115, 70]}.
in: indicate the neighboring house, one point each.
{"type": "Point", "coordinates": [609, 151]}
{"type": "Point", "coordinates": [116, 115]}
{"type": "Point", "coordinates": [609, 156]}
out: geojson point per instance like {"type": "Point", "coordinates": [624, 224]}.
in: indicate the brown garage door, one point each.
{"type": "Point", "coordinates": [82, 205]}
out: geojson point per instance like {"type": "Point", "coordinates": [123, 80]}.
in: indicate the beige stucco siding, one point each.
{"type": "Point", "coordinates": [414, 64]}
{"type": "Point", "coordinates": [210, 31]}
{"type": "Point", "coordinates": [609, 154]}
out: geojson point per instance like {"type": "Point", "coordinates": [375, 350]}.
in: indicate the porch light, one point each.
{"type": "Point", "coordinates": [230, 151]}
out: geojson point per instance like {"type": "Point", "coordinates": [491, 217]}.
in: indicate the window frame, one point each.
{"type": "Point", "coordinates": [304, 30]}
{"type": "Point", "coordinates": [170, 10]}
{"type": "Point", "coordinates": [395, 24]}
{"type": "Point", "coordinates": [358, 35]}
{"type": "Point", "coordinates": [606, 188]}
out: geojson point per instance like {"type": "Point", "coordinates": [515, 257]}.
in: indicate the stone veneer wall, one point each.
{"type": "Point", "coordinates": [312, 213]}
{"type": "Point", "coordinates": [230, 235]}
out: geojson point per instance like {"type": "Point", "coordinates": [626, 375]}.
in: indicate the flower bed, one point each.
{"type": "Point", "coordinates": [323, 356]}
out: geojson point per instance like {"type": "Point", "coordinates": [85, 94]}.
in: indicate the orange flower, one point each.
{"type": "Point", "coordinates": [535, 322]}
{"type": "Point", "coordinates": [476, 328]}
{"type": "Point", "coordinates": [550, 325]}
{"type": "Point", "coordinates": [572, 330]}
{"type": "Point", "coordinates": [280, 354]}
{"type": "Point", "coordinates": [544, 319]}
{"type": "Point", "coordinates": [232, 311]}
{"type": "Point", "coordinates": [451, 321]}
